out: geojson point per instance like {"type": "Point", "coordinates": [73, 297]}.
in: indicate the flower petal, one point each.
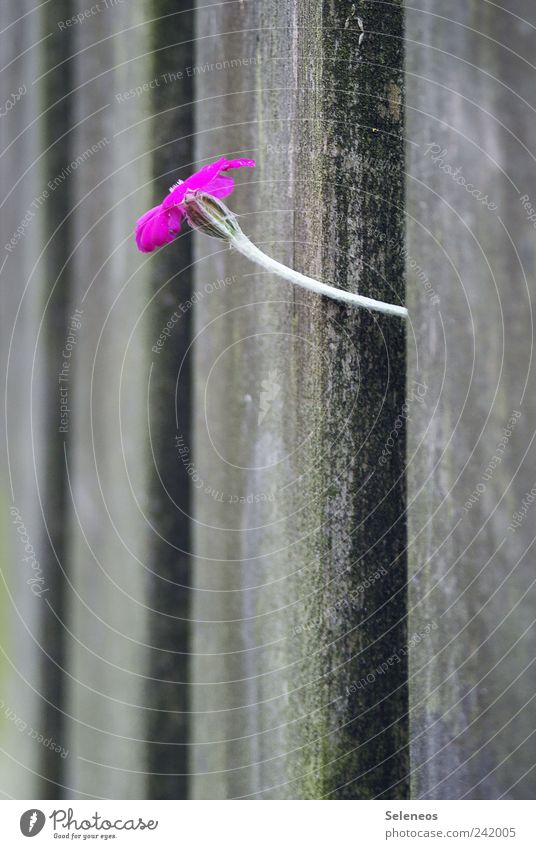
{"type": "Point", "coordinates": [193, 183]}
{"type": "Point", "coordinates": [158, 227]}
{"type": "Point", "coordinates": [145, 217]}
{"type": "Point", "coordinates": [237, 163]}
{"type": "Point", "coordinates": [220, 186]}
{"type": "Point", "coordinates": [203, 179]}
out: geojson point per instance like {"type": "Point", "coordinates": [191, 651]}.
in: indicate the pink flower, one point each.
{"type": "Point", "coordinates": [162, 223]}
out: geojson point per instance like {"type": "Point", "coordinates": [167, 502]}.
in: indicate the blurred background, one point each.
{"type": "Point", "coordinates": [257, 544]}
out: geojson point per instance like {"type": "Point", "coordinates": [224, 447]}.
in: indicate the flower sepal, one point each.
{"type": "Point", "coordinates": [209, 215]}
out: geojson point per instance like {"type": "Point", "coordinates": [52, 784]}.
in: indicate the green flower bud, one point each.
{"type": "Point", "coordinates": [209, 215]}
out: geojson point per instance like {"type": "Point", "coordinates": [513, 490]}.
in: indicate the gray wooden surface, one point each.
{"type": "Point", "coordinates": [92, 664]}
{"type": "Point", "coordinates": [108, 455]}
{"type": "Point", "coordinates": [470, 91]}
{"type": "Point", "coordinates": [223, 608]}
{"type": "Point", "coordinates": [23, 294]}
{"type": "Point", "coordinates": [294, 400]}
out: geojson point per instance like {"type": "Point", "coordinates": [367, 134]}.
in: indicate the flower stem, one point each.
{"type": "Point", "coordinates": [208, 214]}
{"type": "Point", "coordinates": [242, 244]}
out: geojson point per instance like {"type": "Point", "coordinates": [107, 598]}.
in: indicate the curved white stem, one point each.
{"type": "Point", "coordinates": [242, 244]}
{"type": "Point", "coordinates": [210, 215]}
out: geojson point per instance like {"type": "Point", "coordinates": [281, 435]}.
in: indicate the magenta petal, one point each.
{"type": "Point", "coordinates": [237, 163]}
{"type": "Point", "coordinates": [196, 182]}
{"type": "Point", "coordinates": [220, 186]}
{"type": "Point", "coordinates": [176, 196]}
{"type": "Point", "coordinates": [203, 179]}
{"type": "Point", "coordinates": [160, 225]}
{"type": "Point", "coordinates": [157, 227]}
{"type": "Point", "coordinates": [174, 219]}
{"type": "Point", "coordinates": [145, 217]}
{"type": "Point", "coordinates": [144, 230]}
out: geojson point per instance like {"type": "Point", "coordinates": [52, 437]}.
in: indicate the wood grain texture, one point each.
{"type": "Point", "coordinates": [108, 455]}
{"type": "Point", "coordinates": [23, 418]}
{"type": "Point", "coordinates": [293, 512]}
{"type": "Point", "coordinates": [470, 455]}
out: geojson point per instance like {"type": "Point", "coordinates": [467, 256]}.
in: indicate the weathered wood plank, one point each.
{"type": "Point", "coordinates": [471, 456]}
{"type": "Point", "coordinates": [171, 129]}
{"type": "Point", "coordinates": [295, 399]}
{"type": "Point", "coordinates": [107, 658]}
{"type": "Point", "coordinates": [23, 584]}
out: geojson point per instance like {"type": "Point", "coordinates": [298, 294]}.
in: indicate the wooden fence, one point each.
{"type": "Point", "coordinates": [259, 544]}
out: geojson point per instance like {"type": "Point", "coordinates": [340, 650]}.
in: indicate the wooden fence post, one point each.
{"type": "Point", "coordinates": [298, 464]}
{"type": "Point", "coordinates": [169, 554]}
{"type": "Point", "coordinates": [22, 587]}
{"type": "Point", "coordinates": [107, 457]}
{"type": "Point", "coordinates": [276, 420]}
{"type": "Point", "coordinates": [130, 547]}
{"type": "Point", "coordinates": [470, 451]}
